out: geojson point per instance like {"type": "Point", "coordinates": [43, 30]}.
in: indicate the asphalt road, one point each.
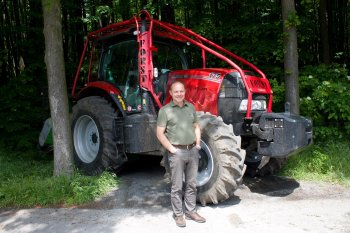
{"type": "Point", "coordinates": [141, 204]}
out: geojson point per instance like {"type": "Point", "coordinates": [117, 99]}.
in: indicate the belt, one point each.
{"type": "Point", "coordinates": [185, 147]}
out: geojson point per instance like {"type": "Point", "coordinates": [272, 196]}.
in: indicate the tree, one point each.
{"type": "Point", "coordinates": [168, 13]}
{"type": "Point", "coordinates": [323, 15]}
{"type": "Point", "coordinates": [124, 9]}
{"type": "Point", "coordinates": [54, 59]}
{"type": "Point", "coordinates": [290, 21]}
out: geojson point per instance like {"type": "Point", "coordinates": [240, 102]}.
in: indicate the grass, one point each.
{"type": "Point", "coordinates": [27, 181]}
{"type": "Point", "coordinates": [327, 162]}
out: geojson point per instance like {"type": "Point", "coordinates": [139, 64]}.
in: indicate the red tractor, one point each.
{"type": "Point", "coordinates": [123, 80]}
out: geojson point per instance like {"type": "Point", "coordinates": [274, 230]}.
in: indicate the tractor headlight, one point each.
{"type": "Point", "coordinates": [257, 105]}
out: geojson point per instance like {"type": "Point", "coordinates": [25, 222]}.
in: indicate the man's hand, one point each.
{"type": "Point", "coordinates": [164, 141]}
{"type": "Point", "coordinates": [173, 150]}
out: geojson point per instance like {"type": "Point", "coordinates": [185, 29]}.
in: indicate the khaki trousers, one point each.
{"type": "Point", "coordinates": [183, 167]}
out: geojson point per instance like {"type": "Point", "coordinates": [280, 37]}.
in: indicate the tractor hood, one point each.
{"type": "Point", "coordinates": [202, 86]}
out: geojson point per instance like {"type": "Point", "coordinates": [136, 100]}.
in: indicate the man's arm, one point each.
{"type": "Point", "coordinates": [164, 140]}
{"type": "Point", "coordinates": [197, 132]}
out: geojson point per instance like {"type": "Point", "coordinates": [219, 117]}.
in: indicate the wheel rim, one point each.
{"type": "Point", "coordinates": [86, 139]}
{"type": "Point", "coordinates": [205, 166]}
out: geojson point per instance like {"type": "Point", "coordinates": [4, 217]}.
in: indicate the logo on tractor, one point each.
{"type": "Point", "coordinates": [143, 59]}
{"type": "Point", "coordinates": [214, 77]}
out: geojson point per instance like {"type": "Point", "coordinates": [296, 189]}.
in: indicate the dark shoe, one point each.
{"type": "Point", "coordinates": [195, 217]}
{"type": "Point", "coordinates": [180, 221]}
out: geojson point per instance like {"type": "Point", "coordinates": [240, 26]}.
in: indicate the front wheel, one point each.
{"type": "Point", "coordinates": [221, 165]}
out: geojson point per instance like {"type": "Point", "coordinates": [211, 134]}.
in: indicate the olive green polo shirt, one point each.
{"type": "Point", "coordinates": [178, 122]}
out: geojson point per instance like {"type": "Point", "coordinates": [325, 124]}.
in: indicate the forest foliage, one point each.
{"type": "Point", "coordinates": [251, 29]}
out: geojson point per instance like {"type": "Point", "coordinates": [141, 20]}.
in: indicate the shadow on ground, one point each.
{"type": "Point", "coordinates": [143, 184]}
{"type": "Point", "coordinates": [271, 185]}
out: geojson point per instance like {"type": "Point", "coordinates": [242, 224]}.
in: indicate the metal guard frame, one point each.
{"type": "Point", "coordinates": [253, 85]}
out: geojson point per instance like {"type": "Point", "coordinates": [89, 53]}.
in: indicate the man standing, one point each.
{"type": "Point", "coordinates": [179, 133]}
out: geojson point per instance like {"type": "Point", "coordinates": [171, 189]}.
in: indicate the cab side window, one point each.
{"type": "Point", "coordinates": [167, 58]}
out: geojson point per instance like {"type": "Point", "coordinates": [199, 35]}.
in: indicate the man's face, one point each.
{"type": "Point", "coordinates": [177, 92]}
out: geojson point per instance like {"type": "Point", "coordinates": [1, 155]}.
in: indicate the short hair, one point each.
{"type": "Point", "coordinates": [175, 82]}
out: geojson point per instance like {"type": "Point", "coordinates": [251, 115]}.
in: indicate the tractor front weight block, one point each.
{"type": "Point", "coordinates": [282, 134]}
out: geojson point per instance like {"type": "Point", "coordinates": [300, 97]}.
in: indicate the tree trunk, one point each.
{"type": "Point", "coordinates": [124, 8]}
{"type": "Point", "coordinates": [290, 57]}
{"type": "Point", "coordinates": [341, 16]}
{"type": "Point", "coordinates": [187, 14]}
{"type": "Point", "coordinates": [168, 13]}
{"type": "Point", "coordinates": [323, 15]}
{"type": "Point", "coordinates": [10, 45]}
{"type": "Point", "coordinates": [62, 137]}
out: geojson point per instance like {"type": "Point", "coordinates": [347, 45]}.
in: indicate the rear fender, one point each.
{"type": "Point", "coordinates": [105, 90]}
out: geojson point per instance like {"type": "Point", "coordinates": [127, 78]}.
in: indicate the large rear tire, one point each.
{"type": "Point", "coordinates": [221, 164]}
{"type": "Point", "coordinates": [94, 140]}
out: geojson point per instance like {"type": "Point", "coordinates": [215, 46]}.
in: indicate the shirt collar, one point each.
{"type": "Point", "coordinates": [172, 104]}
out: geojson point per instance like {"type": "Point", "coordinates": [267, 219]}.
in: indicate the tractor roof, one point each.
{"type": "Point", "coordinates": [131, 27]}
